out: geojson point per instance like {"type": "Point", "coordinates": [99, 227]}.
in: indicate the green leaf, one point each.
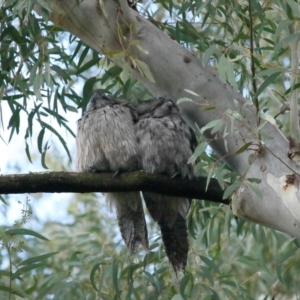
{"type": "Point", "coordinates": [88, 65]}
{"type": "Point", "coordinates": [12, 291]}
{"type": "Point", "coordinates": [226, 71]}
{"type": "Point", "coordinates": [23, 231]}
{"type": "Point", "coordinates": [115, 267]}
{"type": "Point", "coordinates": [14, 33]}
{"type": "Point", "coordinates": [92, 275]}
{"type": "Point", "coordinates": [210, 52]}
{"type": "Point", "coordinates": [265, 84]}
{"type": "Point", "coordinates": [211, 292]}
{"type": "Point", "coordinates": [297, 242]}
{"type": "Point", "coordinates": [150, 278]}
{"type": "Point", "coordinates": [14, 122]}
{"type": "Point", "coordinates": [254, 180]}
{"type": "Point", "coordinates": [178, 297]}
{"type": "Point", "coordinates": [75, 52]}
{"type": "Point", "coordinates": [240, 225]}
{"type": "Point", "coordinates": [184, 99]}
{"type": "Point", "coordinates": [216, 125]}
{"type": "Point", "coordinates": [270, 72]}
{"type": "Point", "coordinates": [145, 70]}
{"type": "Point", "coordinates": [209, 175]}
{"type": "Point", "coordinates": [137, 44]}
{"type": "Point", "coordinates": [293, 88]}
{"type": "Point", "coordinates": [294, 6]}
{"type": "Point", "coordinates": [208, 108]}
{"type": "Point", "coordinates": [266, 135]}
{"type": "Point", "coordinates": [287, 255]}
{"type": "Point", "coordinates": [210, 263]}
{"type": "Point", "coordinates": [219, 173]}
{"type": "Point", "coordinates": [87, 91]}
{"type": "Point", "coordinates": [243, 148]}
{"type": "Point", "coordinates": [59, 137]}
{"type": "Point", "coordinates": [4, 238]}
{"type": "Point", "coordinates": [33, 287]}
{"type": "Point", "coordinates": [37, 258]}
{"type": "Point", "coordinates": [279, 271]}
{"type": "Point", "coordinates": [40, 140]}
{"type": "Point", "coordinates": [27, 154]}
{"type": "Point", "coordinates": [9, 274]}
{"type": "Point", "coordinates": [3, 200]}
{"type": "Point", "coordinates": [83, 56]}
{"type": "Point", "coordinates": [268, 118]}
{"type": "Point", "coordinates": [28, 268]}
{"type": "Point", "coordinates": [62, 73]}
{"type": "Point", "coordinates": [184, 282]}
{"type": "Point", "coordinates": [198, 151]}
{"type": "Point", "coordinates": [192, 227]}
{"type": "Point", "coordinates": [238, 57]}
{"type": "Point", "coordinates": [282, 24]}
{"type": "Point", "coordinates": [191, 92]}
{"type": "Point", "coordinates": [37, 83]}
{"type": "Point", "coordinates": [232, 188]}
{"type": "Point", "coordinates": [150, 256]}
{"type": "Point", "coordinates": [111, 73]}
{"type": "Point", "coordinates": [44, 292]}
{"type": "Point", "coordinates": [256, 190]}
{"type": "Point", "coordinates": [286, 40]}
{"type": "Point", "coordinates": [206, 271]}
{"type": "Point", "coordinates": [128, 86]}
{"type": "Point", "coordinates": [43, 157]}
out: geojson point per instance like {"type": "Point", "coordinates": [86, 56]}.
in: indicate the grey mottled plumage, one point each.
{"type": "Point", "coordinates": [166, 143]}
{"type": "Point", "coordinates": [106, 142]}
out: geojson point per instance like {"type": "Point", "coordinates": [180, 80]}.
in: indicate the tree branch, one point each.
{"type": "Point", "coordinates": [65, 182]}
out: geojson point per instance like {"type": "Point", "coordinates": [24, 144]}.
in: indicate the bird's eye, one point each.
{"type": "Point", "coordinates": [105, 96]}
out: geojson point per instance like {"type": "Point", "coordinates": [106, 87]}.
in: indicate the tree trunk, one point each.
{"type": "Point", "coordinates": [175, 70]}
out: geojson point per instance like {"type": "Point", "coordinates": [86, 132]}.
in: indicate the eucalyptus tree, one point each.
{"type": "Point", "coordinates": [232, 67]}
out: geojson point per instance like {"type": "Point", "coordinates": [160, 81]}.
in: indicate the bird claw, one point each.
{"type": "Point", "coordinates": [94, 170]}
{"type": "Point", "coordinates": [176, 174]}
{"type": "Point", "coordinates": [117, 173]}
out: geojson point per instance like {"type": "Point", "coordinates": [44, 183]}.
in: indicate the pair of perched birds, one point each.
{"type": "Point", "coordinates": [116, 136]}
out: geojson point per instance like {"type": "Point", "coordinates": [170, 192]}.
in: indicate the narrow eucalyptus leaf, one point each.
{"type": "Point", "coordinates": [23, 231]}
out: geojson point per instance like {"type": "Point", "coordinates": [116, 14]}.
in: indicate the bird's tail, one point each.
{"type": "Point", "coordinates": [170, 214]}
{"type": "Point", "coordinates": [175, 239]}
{"type": "Point", "coordinates": [131, 218]}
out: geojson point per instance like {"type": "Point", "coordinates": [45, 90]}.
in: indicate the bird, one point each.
{"type": "Point", "coordinates": [166, 143]}
{"type": "Point", "coordinates": [106, 142]}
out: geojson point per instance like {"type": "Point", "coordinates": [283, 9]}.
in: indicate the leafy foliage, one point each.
{"type": "Point", "coordinates": [86, 257]}
{"type": "Point", "coordinates": [45, 71]}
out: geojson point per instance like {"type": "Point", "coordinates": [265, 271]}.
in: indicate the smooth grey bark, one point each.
{"type": "Point", "coordinates": [176, 70]}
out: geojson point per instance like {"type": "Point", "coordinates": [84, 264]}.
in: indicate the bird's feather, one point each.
{"type": "Point", "coordinates": [165, 143]}
{"type": "Point", "coordinates": [106, 142]}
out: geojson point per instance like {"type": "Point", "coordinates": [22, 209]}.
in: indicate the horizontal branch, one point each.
{"type": "Point", "coordinates": [64, 182]}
